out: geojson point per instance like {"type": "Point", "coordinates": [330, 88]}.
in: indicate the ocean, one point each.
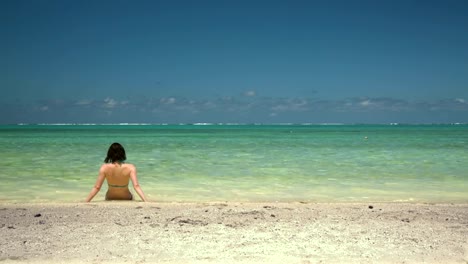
{"type": "Point", "coordinates": [241, 162]}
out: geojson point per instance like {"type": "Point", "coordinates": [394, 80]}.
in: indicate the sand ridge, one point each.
{"type": "Point", "coordinates": [136, 232]}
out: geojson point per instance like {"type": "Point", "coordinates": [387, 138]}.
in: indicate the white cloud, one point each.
{"type": "Point", "coordinates": [365, 103]}
{"type": "Point", "coordinates": [110, 103]}
{"type": "Point", "coordinates": [250, 93]}
{"type": "Point", "coordinates": [291, 104]}
{"type": "Point", "coordinates": [167, 101]}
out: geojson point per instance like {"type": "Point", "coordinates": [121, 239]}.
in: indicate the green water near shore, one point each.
{"type": "Point", "coordinates": [322, 163]}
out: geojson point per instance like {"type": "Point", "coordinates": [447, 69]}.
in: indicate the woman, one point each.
{"type": "Point", "coordinates": [117, 173]}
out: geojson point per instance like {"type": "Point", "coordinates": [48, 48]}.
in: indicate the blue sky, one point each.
{"type": "Point", "coordinates": [234, 61]}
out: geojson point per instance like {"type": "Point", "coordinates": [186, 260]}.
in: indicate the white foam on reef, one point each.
{"type": "Point", "coordinates": [331, 124]}
{"type": "Point", "coordinates": [226, 124]}
{"type": "Point", "coordinates": [56, 124]}
{"type": "Point", "coordinates": [89, 124]}
{"type": "Point", "coordinates": [134, 124]}
{"type": "Point", "coordinates": [202, 124]}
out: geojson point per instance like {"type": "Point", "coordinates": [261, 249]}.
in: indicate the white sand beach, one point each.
{"type": "Point", "coordinates": [137, 232]}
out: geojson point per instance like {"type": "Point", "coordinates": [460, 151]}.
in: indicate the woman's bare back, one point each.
{"type": "Point", "coordinates": [118, 177]}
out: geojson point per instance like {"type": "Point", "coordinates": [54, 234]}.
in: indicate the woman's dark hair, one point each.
{"type": "Point", "coordinates": [116, 153]}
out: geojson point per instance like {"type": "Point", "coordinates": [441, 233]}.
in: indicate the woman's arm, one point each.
{"type": "Point", "coordinates": [97, 186]}
{"type": "Point", "coordinates": [136, 185]}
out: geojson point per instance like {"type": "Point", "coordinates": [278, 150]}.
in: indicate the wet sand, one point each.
{"type": "Point", "coordinates": [136, 232]}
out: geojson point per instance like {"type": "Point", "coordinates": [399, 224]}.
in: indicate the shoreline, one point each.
{"type": "Point", "coordinates": [233, 232]}
{"type": "Point", "coordinates": [101, 199]}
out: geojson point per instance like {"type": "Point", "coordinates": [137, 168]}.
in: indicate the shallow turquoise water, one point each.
{"type": "Point", "coordinates": [325, 163]}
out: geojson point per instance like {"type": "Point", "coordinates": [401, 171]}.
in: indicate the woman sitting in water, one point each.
{"type": "Point", "coordinates": [117, 173]}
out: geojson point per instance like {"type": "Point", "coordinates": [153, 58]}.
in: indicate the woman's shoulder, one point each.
{"type": "Point", "coordinates": [128, 165]}
{"type": "Point", "coordinates": [106, 166]}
